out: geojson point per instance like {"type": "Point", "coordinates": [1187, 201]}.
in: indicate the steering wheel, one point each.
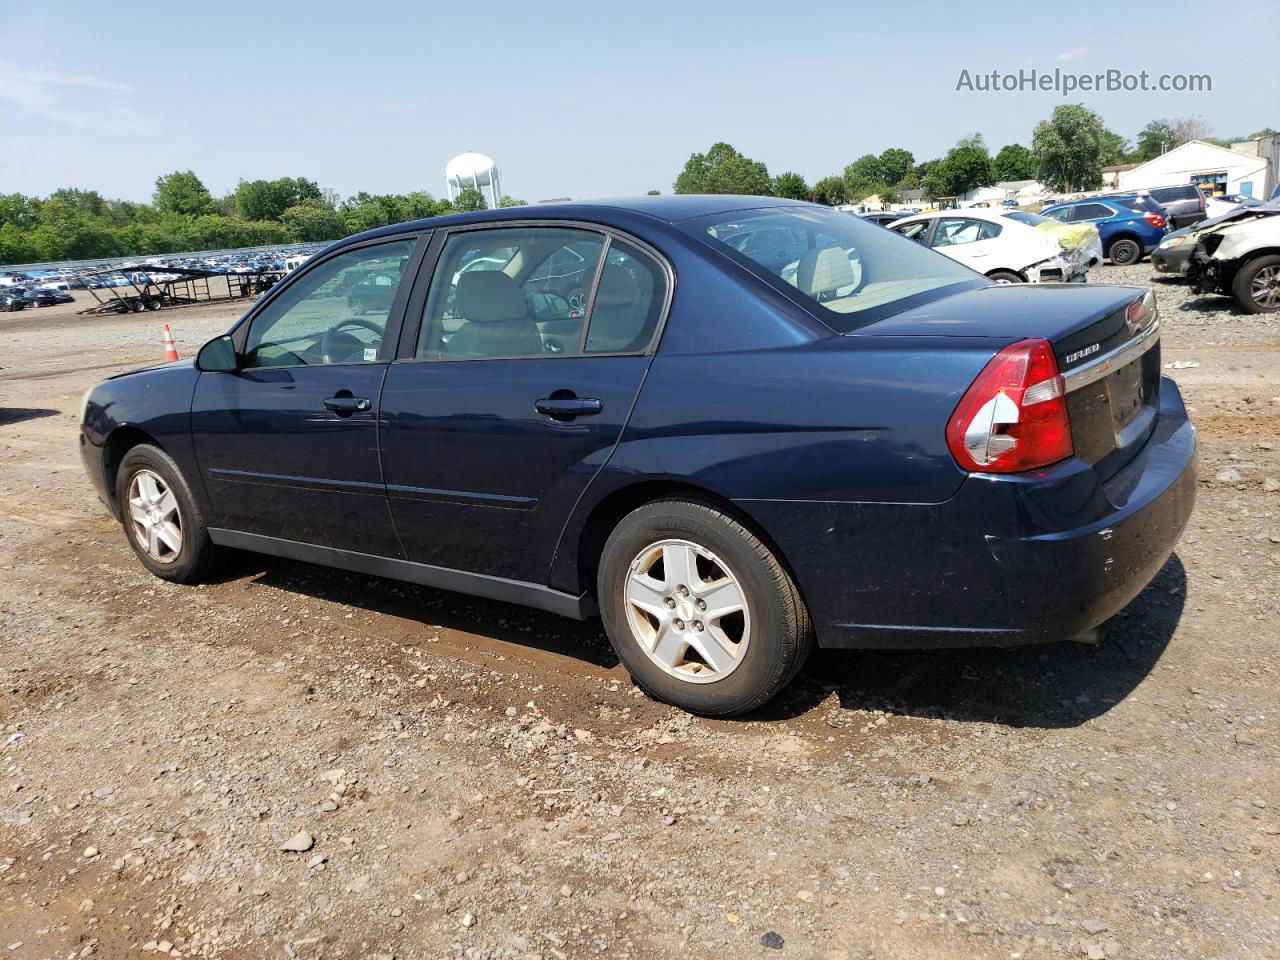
{"type": "Point", "coordinates": [335, 350]}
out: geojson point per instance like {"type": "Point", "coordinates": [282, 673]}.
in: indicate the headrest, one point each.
{"type": "Point", "coordinates": [824, 270]}
{"type": "Point", "coordinates": [489, 296]}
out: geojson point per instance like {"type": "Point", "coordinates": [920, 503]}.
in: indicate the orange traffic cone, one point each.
{"type": "Point", "coordinates": [170, 348]}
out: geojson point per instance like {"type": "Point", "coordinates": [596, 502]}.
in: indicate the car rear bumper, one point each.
{"type": "Point", "coordinates": [1008, 560]}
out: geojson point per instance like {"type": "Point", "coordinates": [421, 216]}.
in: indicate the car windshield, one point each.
{"type": "Point", "coordinates": [849, 271]}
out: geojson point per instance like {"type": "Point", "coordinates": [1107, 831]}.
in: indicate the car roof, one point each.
{"type": "Point", "coordinates": [665, 209]}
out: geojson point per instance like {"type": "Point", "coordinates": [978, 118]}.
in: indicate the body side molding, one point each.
{"type": "Point", "coordinates": [460, 581]}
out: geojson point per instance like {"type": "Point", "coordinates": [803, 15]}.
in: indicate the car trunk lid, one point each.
{"type": "Point", "coordinates": [1105, 339]}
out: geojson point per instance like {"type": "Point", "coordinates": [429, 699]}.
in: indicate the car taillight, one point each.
{"type": "Point", "coordinates": [1013, 417]}
{"type": "Point", "coordinates": [1155, 220]}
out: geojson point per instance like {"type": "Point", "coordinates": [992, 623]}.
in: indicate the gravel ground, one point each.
{"type": "Point", "coordinates": [302, 763]}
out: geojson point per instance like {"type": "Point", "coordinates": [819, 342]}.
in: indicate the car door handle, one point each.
{"type": "Point", "coordinates": [566, 408]}
{"type": "Point", "coordinates": [346, 405]}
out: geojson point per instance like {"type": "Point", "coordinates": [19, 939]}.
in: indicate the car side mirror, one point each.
{"type": "Point", "coordinates": [218, 356]}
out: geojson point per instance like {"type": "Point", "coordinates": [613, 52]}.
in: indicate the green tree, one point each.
{"type": "Point", "coordinates": [895, 163]}
{"type": "Point", "coordinates": [863, 174]}
{"type": "Point", "coordinates": [21, 211]}
{"type": "Point", "coordinates": [966, 165]}
{"type": "Point", "coordinates": [790, 185]}
{"type": "Point", "coordinates": [653, 193]}
{"type": "Point", "coordinates": [1114, 148]}
{"type": "Point", "coordinates": [1069, 148]}
{"type": "Point", "coordinates": [830, 190]}
{"type": "Point", "coordinates": [469, 200]}
{"type": "Point", "coordinates": [312, 221]}
{"type": "Point", "coordinates": [15, 245]}
{"type": "Point", "coordinates": [269, 199]}
{"type": "Point", "coordinates": [1014, 162]}
{"type": "Point", "coordinates": [722, 169]}
{"type": "Point", "coordinates": [512, 202]}
{"type": "Point", "coordinates": [182, 192]}
{"type": "Point", "coordinates": [1153, 139]}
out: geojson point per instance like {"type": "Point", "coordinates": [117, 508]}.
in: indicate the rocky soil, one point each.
{"type": "Point", "coordinates": [295, 762]}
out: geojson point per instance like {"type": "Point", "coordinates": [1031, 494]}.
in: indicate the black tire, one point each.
{"type": "Point", "coordinates": [1005, 276]}
{"type": "Point", "coordinates": [197, 554]}
{"type": "Point", "coordinates": [781, 634]}
{"type": "Point", "coordinates": [1266, 300]}
{"type": "Point", "coordinates": [154, 303]}
{"type": "Point", "coordinates": [137, 306]}
{"type": "Point", "coordinates": [1124, 252]}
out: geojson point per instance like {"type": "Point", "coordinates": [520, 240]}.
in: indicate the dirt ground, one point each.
{"type": "Point", "coordinates": [467, 779]}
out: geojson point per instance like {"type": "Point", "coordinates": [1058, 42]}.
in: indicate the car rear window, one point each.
{"type": "Point", "coordinates": [849, 272]}
{"type": "Point", "coordinates": [1165, 194]}
{"type": "Point", "coordinates": [1138, 204]}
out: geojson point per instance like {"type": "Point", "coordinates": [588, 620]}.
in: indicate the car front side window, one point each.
{"type": "Point", "coordinates": [336, 312]}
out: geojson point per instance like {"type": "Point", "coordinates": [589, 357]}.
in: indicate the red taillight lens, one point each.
{"type": "Point", "coordinates": [1014, 416]}
{"type": "Point", "coordinates": [1155, 220]}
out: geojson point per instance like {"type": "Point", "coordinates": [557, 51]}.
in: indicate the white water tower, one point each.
{"type": "Point", "coordinates": [473, 170]}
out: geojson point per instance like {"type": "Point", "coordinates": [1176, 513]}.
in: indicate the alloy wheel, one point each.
{"type": "Point", "coordinates": [1265, 288]}
{"type": "Point", "coordinates": [687, 610]}
{"type": "Point", "coordinates": [156, 519]}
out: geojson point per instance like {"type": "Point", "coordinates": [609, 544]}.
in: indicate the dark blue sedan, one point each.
{"type": "Point", "coordinates": [763, 424]}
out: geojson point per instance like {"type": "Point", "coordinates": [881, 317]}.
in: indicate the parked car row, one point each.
{"type": "Point", "coordinates": [19, 298]}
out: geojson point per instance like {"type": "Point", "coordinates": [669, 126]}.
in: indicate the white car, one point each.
{"type": "Point", "coordinates": [1008, 245]}
{"type": "Point", "coordinates": [1238, 258]}
{"type": "Point", "coordinates": [1221, 206]}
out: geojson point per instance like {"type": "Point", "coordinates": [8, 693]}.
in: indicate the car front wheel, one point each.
{"type": "Point", "coordinates": [1256, 286]}
{"type": "Point", "coordinates": [161, 519]}
{"type": "Point", "coordinates": [699, 609]}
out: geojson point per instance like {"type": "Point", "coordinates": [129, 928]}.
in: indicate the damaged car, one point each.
{"type": "Point", "coordinates": [1240, 258]}
{"type": "Point", "coordinates": [1009, 246]}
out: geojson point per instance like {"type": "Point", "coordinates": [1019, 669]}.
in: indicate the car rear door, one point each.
{"type": "Point", "coordinates": [968, 240]}
{"type": "Point", "coordinates": [502, 406]}
{"type": "Point", "coordinates": [288, 443]}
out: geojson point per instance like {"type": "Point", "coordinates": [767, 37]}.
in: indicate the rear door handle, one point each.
{"type": "Point", "coordinates": [345, 405]}
{"type": "Point", "coordinates": [566, 408]}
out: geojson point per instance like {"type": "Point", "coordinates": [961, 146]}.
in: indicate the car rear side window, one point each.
{"type": "Point", "coordinates": [628, 301]}
{"type": "Point", "coordinates": [334, 312]}
{"type": "Point", "coordinates": [952, 231]}
{"type": "Point", "coordinates": [847, 271]}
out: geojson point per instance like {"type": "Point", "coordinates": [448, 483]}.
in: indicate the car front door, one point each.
{"type": "Point", "coordinates": [288, 442]}
{"type": "Point", "coordinates": [506, 400]}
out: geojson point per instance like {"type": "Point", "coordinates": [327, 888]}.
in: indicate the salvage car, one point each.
{"type": "Point", "coordinates": [1130, 225]}
{"type": "Point", "coordinates": [1240, 257]}
{"type": "Point", "coordinates": [47, 297]}
{"type": "Point", "coordinates": [727, 466]}
{"type": "Point", "coordinates": [1009, 246]}
{"type": "Point", "coordinates": [13, 299]}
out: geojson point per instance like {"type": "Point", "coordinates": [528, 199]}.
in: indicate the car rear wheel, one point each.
{"type": "Point", "coordinates": [699, 609]}
{"type": "Point", "coordinates": [161, 519]}
{"type": "Point", "coordinates": [1125, 252]}
{"type": "Point", "coordinates": [1256, 286]}
{"type": "Point", "coordinates": [1005, 276]}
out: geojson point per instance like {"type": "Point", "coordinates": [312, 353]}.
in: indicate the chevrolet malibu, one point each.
{"type": "Point", "coordinates": [728, 450]}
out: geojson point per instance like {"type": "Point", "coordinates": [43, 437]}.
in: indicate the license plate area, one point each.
{"type": "Point", "coordinates": [1126, 394]}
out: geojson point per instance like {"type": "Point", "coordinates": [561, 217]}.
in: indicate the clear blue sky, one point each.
{"type": "Point", "coordinates": [572, 98]}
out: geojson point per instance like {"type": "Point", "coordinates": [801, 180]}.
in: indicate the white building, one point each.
{"type": "Point", "coordinates": [1216, 170]}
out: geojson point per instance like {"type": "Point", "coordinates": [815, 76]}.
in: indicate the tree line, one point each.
{"type": "Point", "coordinates": [1067, 153]}
{"type": "Point", "coordinates": [73, 224]}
